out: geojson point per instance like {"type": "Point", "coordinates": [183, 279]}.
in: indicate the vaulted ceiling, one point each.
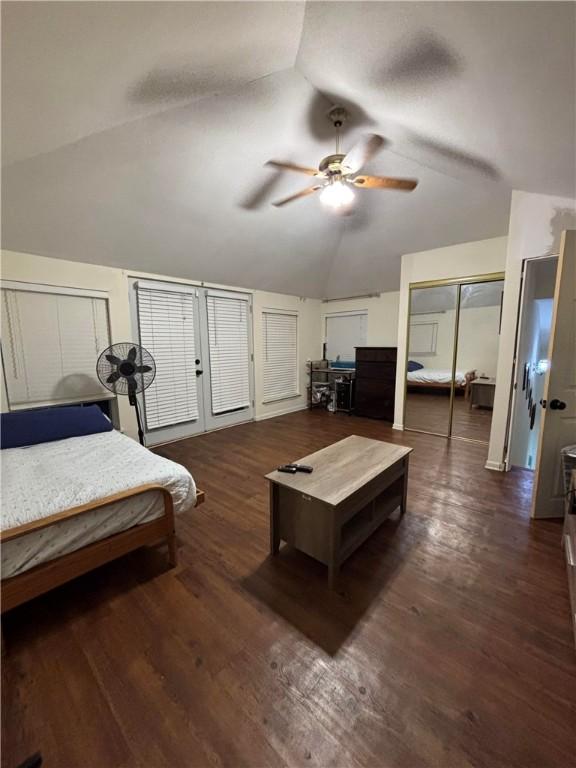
{"type": "Point", "coordinates": [135, 134]}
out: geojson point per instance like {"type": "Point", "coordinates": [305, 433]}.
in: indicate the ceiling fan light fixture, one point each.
{"type": "Point", "coordinates": [337, 195]}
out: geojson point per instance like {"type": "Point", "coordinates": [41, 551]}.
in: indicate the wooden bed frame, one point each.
{"type": "Point", "coordinates": [470, 377]}
{"type": "Point", "coordinates": [25, 586]}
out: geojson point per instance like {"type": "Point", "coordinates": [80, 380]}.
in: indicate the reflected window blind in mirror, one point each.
{"type": "Point", "coordinates": [280, 355]}
{"type": "Point", "coordinates": [50, 345]}
{"type": "Point", "coordinates": [423, 337]}
{"type": "Point", "coordinates": [166, 326]}
{"type": "Point", "coordinates": [229, 354]}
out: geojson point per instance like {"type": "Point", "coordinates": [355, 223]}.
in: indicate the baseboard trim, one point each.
{"type": "Point", "coordinates": [495, 466]}
{"type": "Point", "coordinates": [283, 412]}
{"type": "Point", "coordinates": [399, 427]}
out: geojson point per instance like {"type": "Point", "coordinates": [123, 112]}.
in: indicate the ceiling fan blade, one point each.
{"type": "Point", "coordinates": [113, 359]}
{"type": "Point", "coordinates": [303, 193]}
{"type": "Point", "coordinates": [384, 182]}
{"type": "Point", "coordinates": [132, 354]}
{"type": "Point", "coordinates": [363, 151]}
{"type": "Point", "coordinates": [143, 368]}
{"type": "Point", "coordinates": [113, 377]}
{"type": "Point", "coordinates": [293, 167]}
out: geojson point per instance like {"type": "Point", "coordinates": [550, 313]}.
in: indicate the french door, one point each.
{"type": "Point", "coordinates": [201, 341]}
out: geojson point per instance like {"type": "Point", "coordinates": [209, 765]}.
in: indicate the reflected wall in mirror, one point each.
{"type": "Point", "coordinates": [431, 338]}
{"type": "Point", "coordinates": [477, 357]}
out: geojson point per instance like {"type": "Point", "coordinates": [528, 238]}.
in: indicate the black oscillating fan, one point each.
{"type": "Point", "coordinates": [127, 369]}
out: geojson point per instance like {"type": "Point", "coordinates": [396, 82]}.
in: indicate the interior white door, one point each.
{"type": "Point", "coordinates": [558, 427]}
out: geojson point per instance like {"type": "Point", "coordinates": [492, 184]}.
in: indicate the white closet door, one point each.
{"type": "Point", "coordinates": [229, 353]}
{"type": "Point", "coordinates": [167, 324]}
{"type": "Point", "coordinates": [51, 342]}
{"type": "Point", "coordinates": [280, 355]}
{"type": "Point", "coordinates": [343, 334]}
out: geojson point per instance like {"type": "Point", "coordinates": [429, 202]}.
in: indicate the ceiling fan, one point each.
{"type": "Point", "coordinates": [337, 173]}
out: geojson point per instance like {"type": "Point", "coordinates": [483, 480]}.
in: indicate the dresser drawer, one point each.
{"type": "Point", "coordinates": [376, 354]}
{"type": "Point", "coordinates": [384, 371]}
{"type": "Point", "coordinates": [375, 405]}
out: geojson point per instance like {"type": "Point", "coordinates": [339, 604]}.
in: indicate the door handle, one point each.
{"type": "Point", "coordinates": [557, 405]}
{"type": "Point", "coordinates": [199, 373]}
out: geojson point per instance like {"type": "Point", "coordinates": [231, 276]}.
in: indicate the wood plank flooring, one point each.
{"type": "Point", "coordinates": [430, 412]}
{"type": "Point", "coordinates": [448, 646]}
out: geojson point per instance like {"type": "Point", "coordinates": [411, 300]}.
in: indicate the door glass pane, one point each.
{"type": "Point", "coordinates": [476, 360]}
{"type": "Point", "coordinates": [430, 358]}
{"type": "Point", "coordinates": [229, 354]}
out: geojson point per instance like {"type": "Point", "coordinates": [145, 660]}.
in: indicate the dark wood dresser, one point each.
{"type": "Point", "coordinates": [375, 382]}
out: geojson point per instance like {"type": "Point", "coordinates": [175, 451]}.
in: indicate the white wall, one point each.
{"type": "Point", "coordinates": [536, 224]}
{"type": "Point", "coordinates": [30, 268]}
{"type": "Point", "coordinates": [382, 311]}
{"type": "Point", "coordinates": [462, 260]}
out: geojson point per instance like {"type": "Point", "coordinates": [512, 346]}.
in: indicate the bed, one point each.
{"type": "Point", "coordinates": [71, 505]}
{"type": "Point", "coordinates": [440, 379]}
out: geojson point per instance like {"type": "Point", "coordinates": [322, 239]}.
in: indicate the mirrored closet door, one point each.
{"type": "Point", "coordinates": [453, 335]}
{"type": "Point", "coordinates": [476, 358]}
{"type": "Point", "coordinates": [431, 331]}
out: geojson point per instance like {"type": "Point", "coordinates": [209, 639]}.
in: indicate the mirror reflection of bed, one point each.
{"type": "Point", "coordinates": [452, 356]}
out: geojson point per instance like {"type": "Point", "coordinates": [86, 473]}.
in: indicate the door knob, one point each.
{"type": "Point", "coordinates": [557, 405]}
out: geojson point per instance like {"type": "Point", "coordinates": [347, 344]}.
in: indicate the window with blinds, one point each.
{"type": "Point", "coordinates": [280, 355]}
{"type": "Point", "coordinates": [229, 352]}
{"type": "Point", "coordinates": [423, 339]}
{"type": "Point", "coordinates": [343, 334]}
{"type": "Point", "coordinates": [50, 346]}
{"type": "Point", "coordinates": [166, 320]}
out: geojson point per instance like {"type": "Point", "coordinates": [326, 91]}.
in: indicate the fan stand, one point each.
{"type": "Point", "coordinates": [133, 400]}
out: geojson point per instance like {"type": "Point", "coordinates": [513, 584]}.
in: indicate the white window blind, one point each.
{"type": "Point", "coordinates": [50, 344]}
{"type": "Point", "coordinates": [423, 337]}
{"type": "Point", "coordinates": [229, 354]}
{"type": "Point", "coordinates": [280, 354]}
{"type": "Point", "coordinates": [343, 334]}
{"type": "Point", "coordinates": [166, 322]}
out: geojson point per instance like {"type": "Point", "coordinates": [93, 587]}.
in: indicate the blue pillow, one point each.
{"type": "Point", "coordinates": [414, 366]}
{"type": "Point", "coordinates": [20, 428]}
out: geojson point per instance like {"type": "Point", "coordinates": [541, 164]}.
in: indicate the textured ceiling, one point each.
{"type": "Point", "coordinates": [135, 134]}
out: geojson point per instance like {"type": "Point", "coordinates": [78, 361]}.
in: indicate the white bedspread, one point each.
{"type": "Point", "coordinates": [51, 477]}
{"type": "Point", "coordinates": [436, 376]}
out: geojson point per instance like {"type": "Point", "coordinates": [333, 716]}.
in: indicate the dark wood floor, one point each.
{"type": "Point", "coordinates": [430, 412]}
{"type": "Point", "coordinates": [449, 646]}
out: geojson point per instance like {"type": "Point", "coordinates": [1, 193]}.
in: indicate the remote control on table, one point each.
{"type": "Point", "coordinates": [302, 468]}
{"type": "Point", "coordinates": [288, 468]}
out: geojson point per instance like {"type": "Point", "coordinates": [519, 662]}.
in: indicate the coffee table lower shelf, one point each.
{"type": "Point", "coordinates": [330, 534]}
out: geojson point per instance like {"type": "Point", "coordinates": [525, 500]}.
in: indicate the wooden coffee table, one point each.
{"type": "Point", "coordinates": [356, 484]}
